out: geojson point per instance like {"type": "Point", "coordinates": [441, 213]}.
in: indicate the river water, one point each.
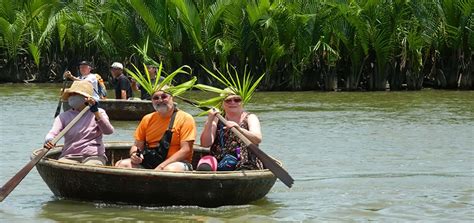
{"type": "Point", "coordinates": [355, 156]}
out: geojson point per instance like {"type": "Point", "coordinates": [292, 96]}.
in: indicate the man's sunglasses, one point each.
{"type": "Point", "coordinates": [163, 97]}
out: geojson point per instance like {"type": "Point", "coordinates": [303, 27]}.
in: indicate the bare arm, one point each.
{"type": "Point", "coordinates": [209, 131]}
{"type": "Point", "coordinates": [134, 85]}
{"type": "Point", "coordinates": [69, 75]}
{"type": "Point", "coordinates": [123, 94]}
{"type": "Point", "coordinates": [254, 133]}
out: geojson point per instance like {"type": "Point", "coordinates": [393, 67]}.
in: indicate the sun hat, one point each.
{"type": "Point", "coordinates": [117, 65]}
{"type": "Point", "coordinates": [83, 88]}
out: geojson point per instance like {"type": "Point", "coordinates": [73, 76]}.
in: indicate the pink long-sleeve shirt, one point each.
{"type": "Point", "coordinates": [84, 139]}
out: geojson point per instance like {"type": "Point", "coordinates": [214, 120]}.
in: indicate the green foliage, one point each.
{"type": "Point", "coordinates": [35, 53]}
{"type": "Point", "coordinates": [244, 87]}
{"type": "Point", "coordinates": [166, 84]}
{"type": "Point", "coordinates": [303, 44]}
{"type": "Point", "coordinates": [13, 35]}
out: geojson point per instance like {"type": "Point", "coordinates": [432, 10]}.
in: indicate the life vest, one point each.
{"type": "Point", "coordinates": [102, 88]}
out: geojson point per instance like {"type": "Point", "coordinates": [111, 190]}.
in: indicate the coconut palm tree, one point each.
{"type": "Point", "coordinates": [455, 37]}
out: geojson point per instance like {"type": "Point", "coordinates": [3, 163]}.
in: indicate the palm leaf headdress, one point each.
{"type": "Point", "coordinates": [234, 86]}
{"type": "Point", "coordinates": [166, 84]}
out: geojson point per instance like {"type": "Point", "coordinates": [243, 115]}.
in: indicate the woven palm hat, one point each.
{"type": "Point", "coordinates": [83, 88]}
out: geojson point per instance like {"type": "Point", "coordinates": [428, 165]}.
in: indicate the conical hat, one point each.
{"type": "Point", "coordinates": [83, 88]}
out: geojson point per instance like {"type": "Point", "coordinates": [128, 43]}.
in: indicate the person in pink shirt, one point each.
{"type": "Point", "coordinates": [83, 142]}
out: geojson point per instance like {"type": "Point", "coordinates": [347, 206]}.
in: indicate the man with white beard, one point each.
{"type": "Point", "coordinates": [164, 139]}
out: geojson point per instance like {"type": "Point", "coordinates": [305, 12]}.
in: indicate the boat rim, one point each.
{"type": "Point", "coordinates": [244, 174]}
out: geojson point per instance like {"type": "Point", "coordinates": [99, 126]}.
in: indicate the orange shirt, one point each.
{"type": "Point", "coordinates": [153, 126]}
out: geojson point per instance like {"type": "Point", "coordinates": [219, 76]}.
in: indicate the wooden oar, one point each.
{"type": "Point", "coordinates": [267, 161]}
{"type": "Point", "coordinates": [15, 180]}
{"type": "Point", "coordinates": [58, 109]}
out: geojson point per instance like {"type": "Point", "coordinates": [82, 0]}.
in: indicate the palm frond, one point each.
{"type": "Point", "coordinates": [208, 88]}
{"type": "Point", "coordinates": [145, 80]}
{"type": "Point", "coordinates": [35, 52]}
{"type": "Point", "coordinates": [243, 86]}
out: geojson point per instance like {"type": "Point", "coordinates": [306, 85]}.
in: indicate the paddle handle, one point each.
{"type": "Point", "coordinates": [15, 180]}
{"type": "Point", "coordinates": [267, 161]}
{"type": "Point", "coordinates": [235, 130]}
{"type": "Point", "coordinates": [58, 108]}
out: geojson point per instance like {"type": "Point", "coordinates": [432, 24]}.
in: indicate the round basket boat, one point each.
{"type": "Point", "coordinates": [148, 187]}
{"type": "Point", "coordinates": [123, 110]}
{"type": "Point", "coordinates": [126, 110]}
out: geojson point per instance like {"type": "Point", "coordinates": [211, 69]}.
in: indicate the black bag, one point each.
{"type": "Point", "coordinates": [152, 157]}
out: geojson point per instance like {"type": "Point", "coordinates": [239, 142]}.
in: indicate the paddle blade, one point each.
{"type": "Point", "coordinates": [273, 166]}
{"type": "Point", "coordinates": [15, 180]}
{"type": "Point", "coordinates": [58, 109]}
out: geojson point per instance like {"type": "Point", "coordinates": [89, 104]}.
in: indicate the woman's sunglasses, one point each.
{"type": "Point", "coordinates": [162, 97]}
{"type": "Point", "coordinates": [235, 100]}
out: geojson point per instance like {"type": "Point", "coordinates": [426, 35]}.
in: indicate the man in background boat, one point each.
{"type": "Point", "coordinates": [122, 85]}
{"type": "Point", "coordinates": [83, 142]}
{"type": "Point", "coordinates": [164, 139]}
{"type": "Point", "coordinates": [85, 68]}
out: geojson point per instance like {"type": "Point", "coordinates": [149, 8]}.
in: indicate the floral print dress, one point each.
{"type": "Point", "coordinates": [226, 142]}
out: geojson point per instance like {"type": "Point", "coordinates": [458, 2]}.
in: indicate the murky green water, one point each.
{"type": "Point", "coordinates": [375, 156]}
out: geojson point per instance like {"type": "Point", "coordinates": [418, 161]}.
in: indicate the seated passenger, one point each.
{"type": "Point", "coordinates": [228, 149]}
{"type": "Point", "coordinates": [83, 142]}
{"type": "Point", "coordinates": [164, 139]}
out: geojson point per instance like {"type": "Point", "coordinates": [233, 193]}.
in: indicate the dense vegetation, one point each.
{"type": "Point", "coordinates": [299, 44]}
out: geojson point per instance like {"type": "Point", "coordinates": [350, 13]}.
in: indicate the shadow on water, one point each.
{"type": "Point", "coordinates": [67, 210]}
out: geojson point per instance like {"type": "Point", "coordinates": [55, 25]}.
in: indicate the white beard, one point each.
{"type": "Point", "coordinates": [161, 108]}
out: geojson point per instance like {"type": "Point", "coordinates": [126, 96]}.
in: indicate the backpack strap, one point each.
{"type": "Point", "coordinates": [165, 141]}
{"type": "Point", "coordinates": [175, 110]}
{"type": "Point", "coordinates": [168, 131]}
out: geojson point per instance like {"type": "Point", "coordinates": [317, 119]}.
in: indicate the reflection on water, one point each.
{"type": "Point", "coordinates": [371, 156]}
{"type": "Point", "coordinates": [66, 211]}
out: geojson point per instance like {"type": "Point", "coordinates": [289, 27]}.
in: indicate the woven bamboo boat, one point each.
{"type": "Point", "coordinates": [151, 188]}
